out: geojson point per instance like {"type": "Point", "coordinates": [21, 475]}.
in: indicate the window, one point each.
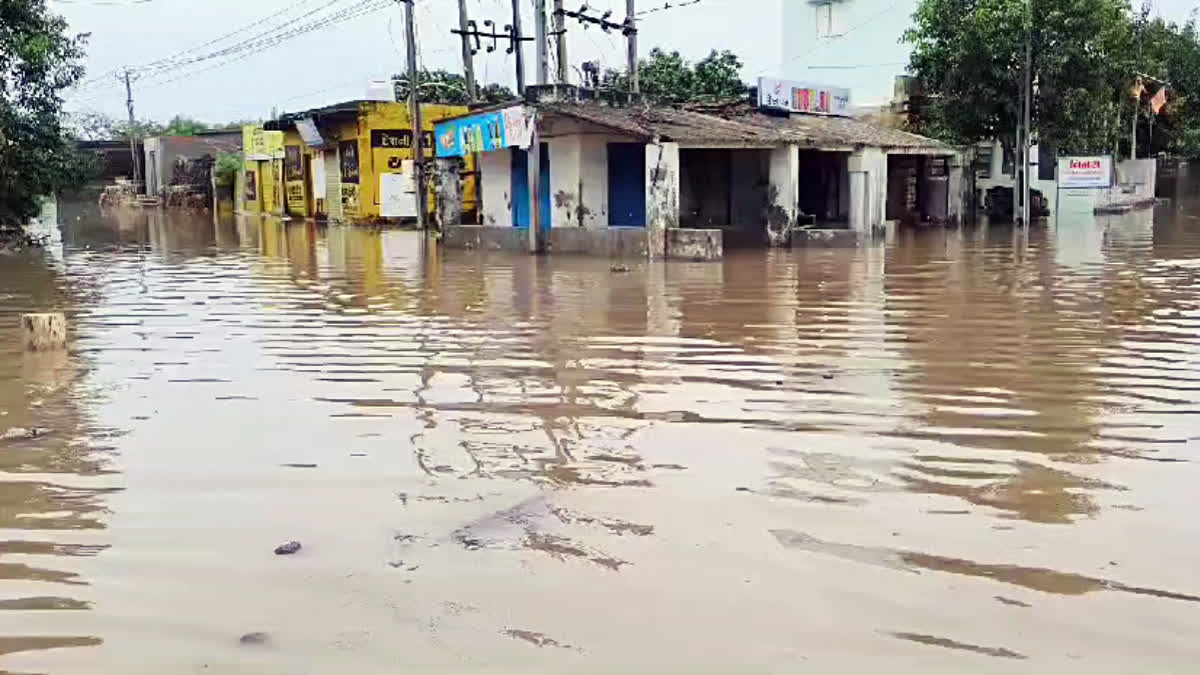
{"type": "Point", "coordinates": [829, 19]}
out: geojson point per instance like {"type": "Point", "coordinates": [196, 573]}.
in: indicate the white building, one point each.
{"type": "Point", "coordinates": [854, 44]}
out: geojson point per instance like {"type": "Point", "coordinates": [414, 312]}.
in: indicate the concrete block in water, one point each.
{"type": "Point", "coordinates": [44, 332]}
{"type": "Point", "coordinates": [695, 244]}
{"type": "Point", "coordinates": [830, 238]}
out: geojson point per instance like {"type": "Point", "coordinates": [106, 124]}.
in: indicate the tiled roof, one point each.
{"type": "Point", "coordinates": [740, 126]}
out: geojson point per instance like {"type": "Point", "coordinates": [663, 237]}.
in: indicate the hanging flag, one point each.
{"type": "Point", "coordinates": [1138, 89]}
{"type": "Point", "coordinates": [1159, 100]}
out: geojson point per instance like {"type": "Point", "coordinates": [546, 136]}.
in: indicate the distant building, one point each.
{"type": "Point", "coordinates": [855, 44]}
{"type": "Point", "coordinates": [349, 161]}
{"type": "Point", "coordinates": [168, 158]}
{"type": "Point", "coordinates": [114, 157]}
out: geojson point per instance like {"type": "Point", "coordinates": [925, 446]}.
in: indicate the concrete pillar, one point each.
{"type": "Point", "coordinates": [448, 191]}
{"type": "Point", "coordinates": [783, 195]}
{"type": "Point", "coordinates": [868, 187]}
{"type": "Point", "coordinates": [44, 332]}
{"type": "Point", "coordinates": [662, 194]}
{"type": "Point", "coordinates": [958, 189]}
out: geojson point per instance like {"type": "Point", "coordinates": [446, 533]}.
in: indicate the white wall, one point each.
{"type": "Point", "coordinates": [662, 194]}
{"type": "Point", "coordinates": [496, 187]}
{"type": "Point", "coordinates": [565, 180]}
{"type": "Point", "coordinates": [870, 42]}
{"type": "Point", "coordinates": [593, 158]}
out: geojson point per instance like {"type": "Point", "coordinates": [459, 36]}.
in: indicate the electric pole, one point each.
{"type": "Point", "coordinates": [542, 39]}
{"type": "Point", "coordinates": [560, 30]}
{"type": "Point", "coordinates": [414, 105]}
{"type": "Point", "coordinates": [137, 174]}
{"type": "Point", "coordinates": [516, 33]}
{"type": "Point", "coordinates": [631, 38]}
{"type": "Point", "coordinates": [467, 53]}
{"type": "Point", "coordinates": [1027, 87]}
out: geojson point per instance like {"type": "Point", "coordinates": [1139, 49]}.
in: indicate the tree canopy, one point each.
{"type": "Point", "coordinates": [95, 126]}
{"type": "Point", "coordinates": [666, 77]}
{"type": "Point", "coordinates": [441, 86]}
{"type": "Point", "coordinates": [968, 56]}
{"type": "Point", "coordinates": [38, 60]}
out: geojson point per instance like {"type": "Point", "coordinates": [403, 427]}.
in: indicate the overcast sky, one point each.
{"type": "Point", "coordinates": [334, 63]}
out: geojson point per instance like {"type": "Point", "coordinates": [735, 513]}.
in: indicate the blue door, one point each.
{"type": "Point", "coordinates": [520, 187]}
{"type": "Point", "coordinates": [626, 185]}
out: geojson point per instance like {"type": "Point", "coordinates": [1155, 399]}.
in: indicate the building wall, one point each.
{"type": "Point", "coordinates": [869, 39]}
{"type": "Point", "coordinates": [496, 187]}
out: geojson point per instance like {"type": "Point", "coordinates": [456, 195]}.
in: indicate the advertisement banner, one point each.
{"type": "Point", "coordinates": [803, 97]}
{"type": "Point", "coordinates": [1084, 172]}
{"type": "Point", "coordinates": [486, 132]}
{"type": "Point", "coordinates": [261, 146]}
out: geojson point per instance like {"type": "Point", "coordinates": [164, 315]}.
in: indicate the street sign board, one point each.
{"type": "Point", "coordinates": [1084, 172]}
{"type": "Point", "coordinates": [803, 97]}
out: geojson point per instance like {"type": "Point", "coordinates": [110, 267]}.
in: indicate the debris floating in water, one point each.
{"type": "Point", "coordinates": [288, 548]}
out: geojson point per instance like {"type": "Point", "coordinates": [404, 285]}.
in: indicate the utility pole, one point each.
{"type": "Point", "coordinates": [414, 105]}
{"type": "Point", "coordinates": [137, 174]}
{"type": "Point", "coordinates": [631, 39]}
{"type": "Point", "coordinates": [520, 49]}
{"type": "Point", "coordinates": [560, 30]}
{"type": "Point", "coordinates": [1027, 85]}
{"type": "Point", "coordinates": [542, 40]}
{"type": "Point", "coordinates": [1133, 130]}
{"type": "Point", "coordinates": [467, 53]}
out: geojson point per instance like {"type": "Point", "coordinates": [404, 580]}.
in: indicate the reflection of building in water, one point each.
{"type": "Point", "coordinates": [984, 332]}
{"type": "Point", "coordinates": [52, 463]}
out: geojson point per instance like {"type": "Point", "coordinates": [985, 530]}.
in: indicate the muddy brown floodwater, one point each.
{"type": "Point", "coordinates": [960, 452]}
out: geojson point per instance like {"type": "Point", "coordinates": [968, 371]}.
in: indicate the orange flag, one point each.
{"type": "Point", "coordinates": [1159, 100]}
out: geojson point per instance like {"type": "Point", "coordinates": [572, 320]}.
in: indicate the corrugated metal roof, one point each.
{"type": "Point", "coordinates": [740, 126]}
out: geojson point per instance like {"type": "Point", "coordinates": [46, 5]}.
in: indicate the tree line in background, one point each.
{"type": "Point", "coordinates": [1087, 58]}
{"type": "Point", "coordinates": [95, 126]}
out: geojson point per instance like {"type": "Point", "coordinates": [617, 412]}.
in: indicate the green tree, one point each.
{"type": "Point", "coordinates": [441, 86]}
{"type": "Point", "coordinates": [38, 60]}
{"type": "Point", "coordinates": [667, 78]}
{"type": "Point", "coordinates": [969, 57]}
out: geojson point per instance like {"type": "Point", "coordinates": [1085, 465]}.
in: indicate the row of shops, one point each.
{"type": "Point", "coordinates": [604, 176]}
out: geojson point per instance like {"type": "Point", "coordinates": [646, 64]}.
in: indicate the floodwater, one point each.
{"type": "Point", "coordinates": [964, 451]}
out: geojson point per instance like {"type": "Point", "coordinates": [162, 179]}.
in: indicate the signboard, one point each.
{"type": "Point", "coordinates": [293, 163]}
{"type": "Point", "coordinates": [348, 158]}
{"type": "Point", "coordinates": [485, 132]}
{"type": "Point", "coordinates": [803, 97]}
{"type": "Point", "coordinates": [260, 145]}
{"type": "Point", "coordinates": [397, 198]}
{"type": "Point", "coordinates": [399, 139]}
{"type": "Point", "coordinates": [1084, 172]}
{"type": "Point", "coordinates": [251, 186]}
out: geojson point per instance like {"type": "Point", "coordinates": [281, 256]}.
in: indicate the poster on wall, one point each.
{"type": "Point", "coordinates": [293, 163]}
{"type": "Point", "coordinates": [1084, 172]}
{"type": "Point", "coordinates": [349, 200]}
{"type": "Point", "coordinates": [251, 186]}
{"type": "Point", "coordinates": [396, 196]}
{"type": "Point", "coordinates": [803, 97]}
{"type": "Point", "coordinates": [260, 145]}
{"type": "Point", "coordinates": [348, 158]}
{"type": "Point", "coordinates": [296, 203]}
{"type": "Point", "coordinates": [486, 132]}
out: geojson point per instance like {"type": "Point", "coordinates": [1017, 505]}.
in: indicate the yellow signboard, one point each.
{"type": "Point", "coordinates": [258, 144]}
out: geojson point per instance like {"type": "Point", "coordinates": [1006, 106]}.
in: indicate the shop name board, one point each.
{"type": "Point", "coordinates": [1085, 172]}
{"type": "Point", "coordinates": [485, 132]}
{"type": "Point", "coordinates": [399, 139]}
{"type": "Point", "coordinates": [803, 97]}
{"type": "Point", "coordinates": [260, 145]}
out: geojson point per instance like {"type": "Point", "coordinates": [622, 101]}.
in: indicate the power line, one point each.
{"type": "Point", "coordinates": [667, 6]}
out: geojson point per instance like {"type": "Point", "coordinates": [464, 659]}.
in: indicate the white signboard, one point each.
{"type": "Point", "coordinates": [803, 97]}
{"type": "Point", "coordinates": [1084, 172]}
{"type": "Point", "coordinates": [397, 199]}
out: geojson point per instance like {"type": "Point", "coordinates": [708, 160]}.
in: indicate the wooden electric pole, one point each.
{"type": "Point", "coordinates": [137, 174]}
{"type": "Point", "coordinates": [631, 39]}
{"type": "Point", "coordinates": [520, 49]}
{"type": "Point", "coordinates": [414, 105]}
{"type": "Point", "coordinates": [467, 54]}
{"type": "Point", "coordinates": [560, 31]}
